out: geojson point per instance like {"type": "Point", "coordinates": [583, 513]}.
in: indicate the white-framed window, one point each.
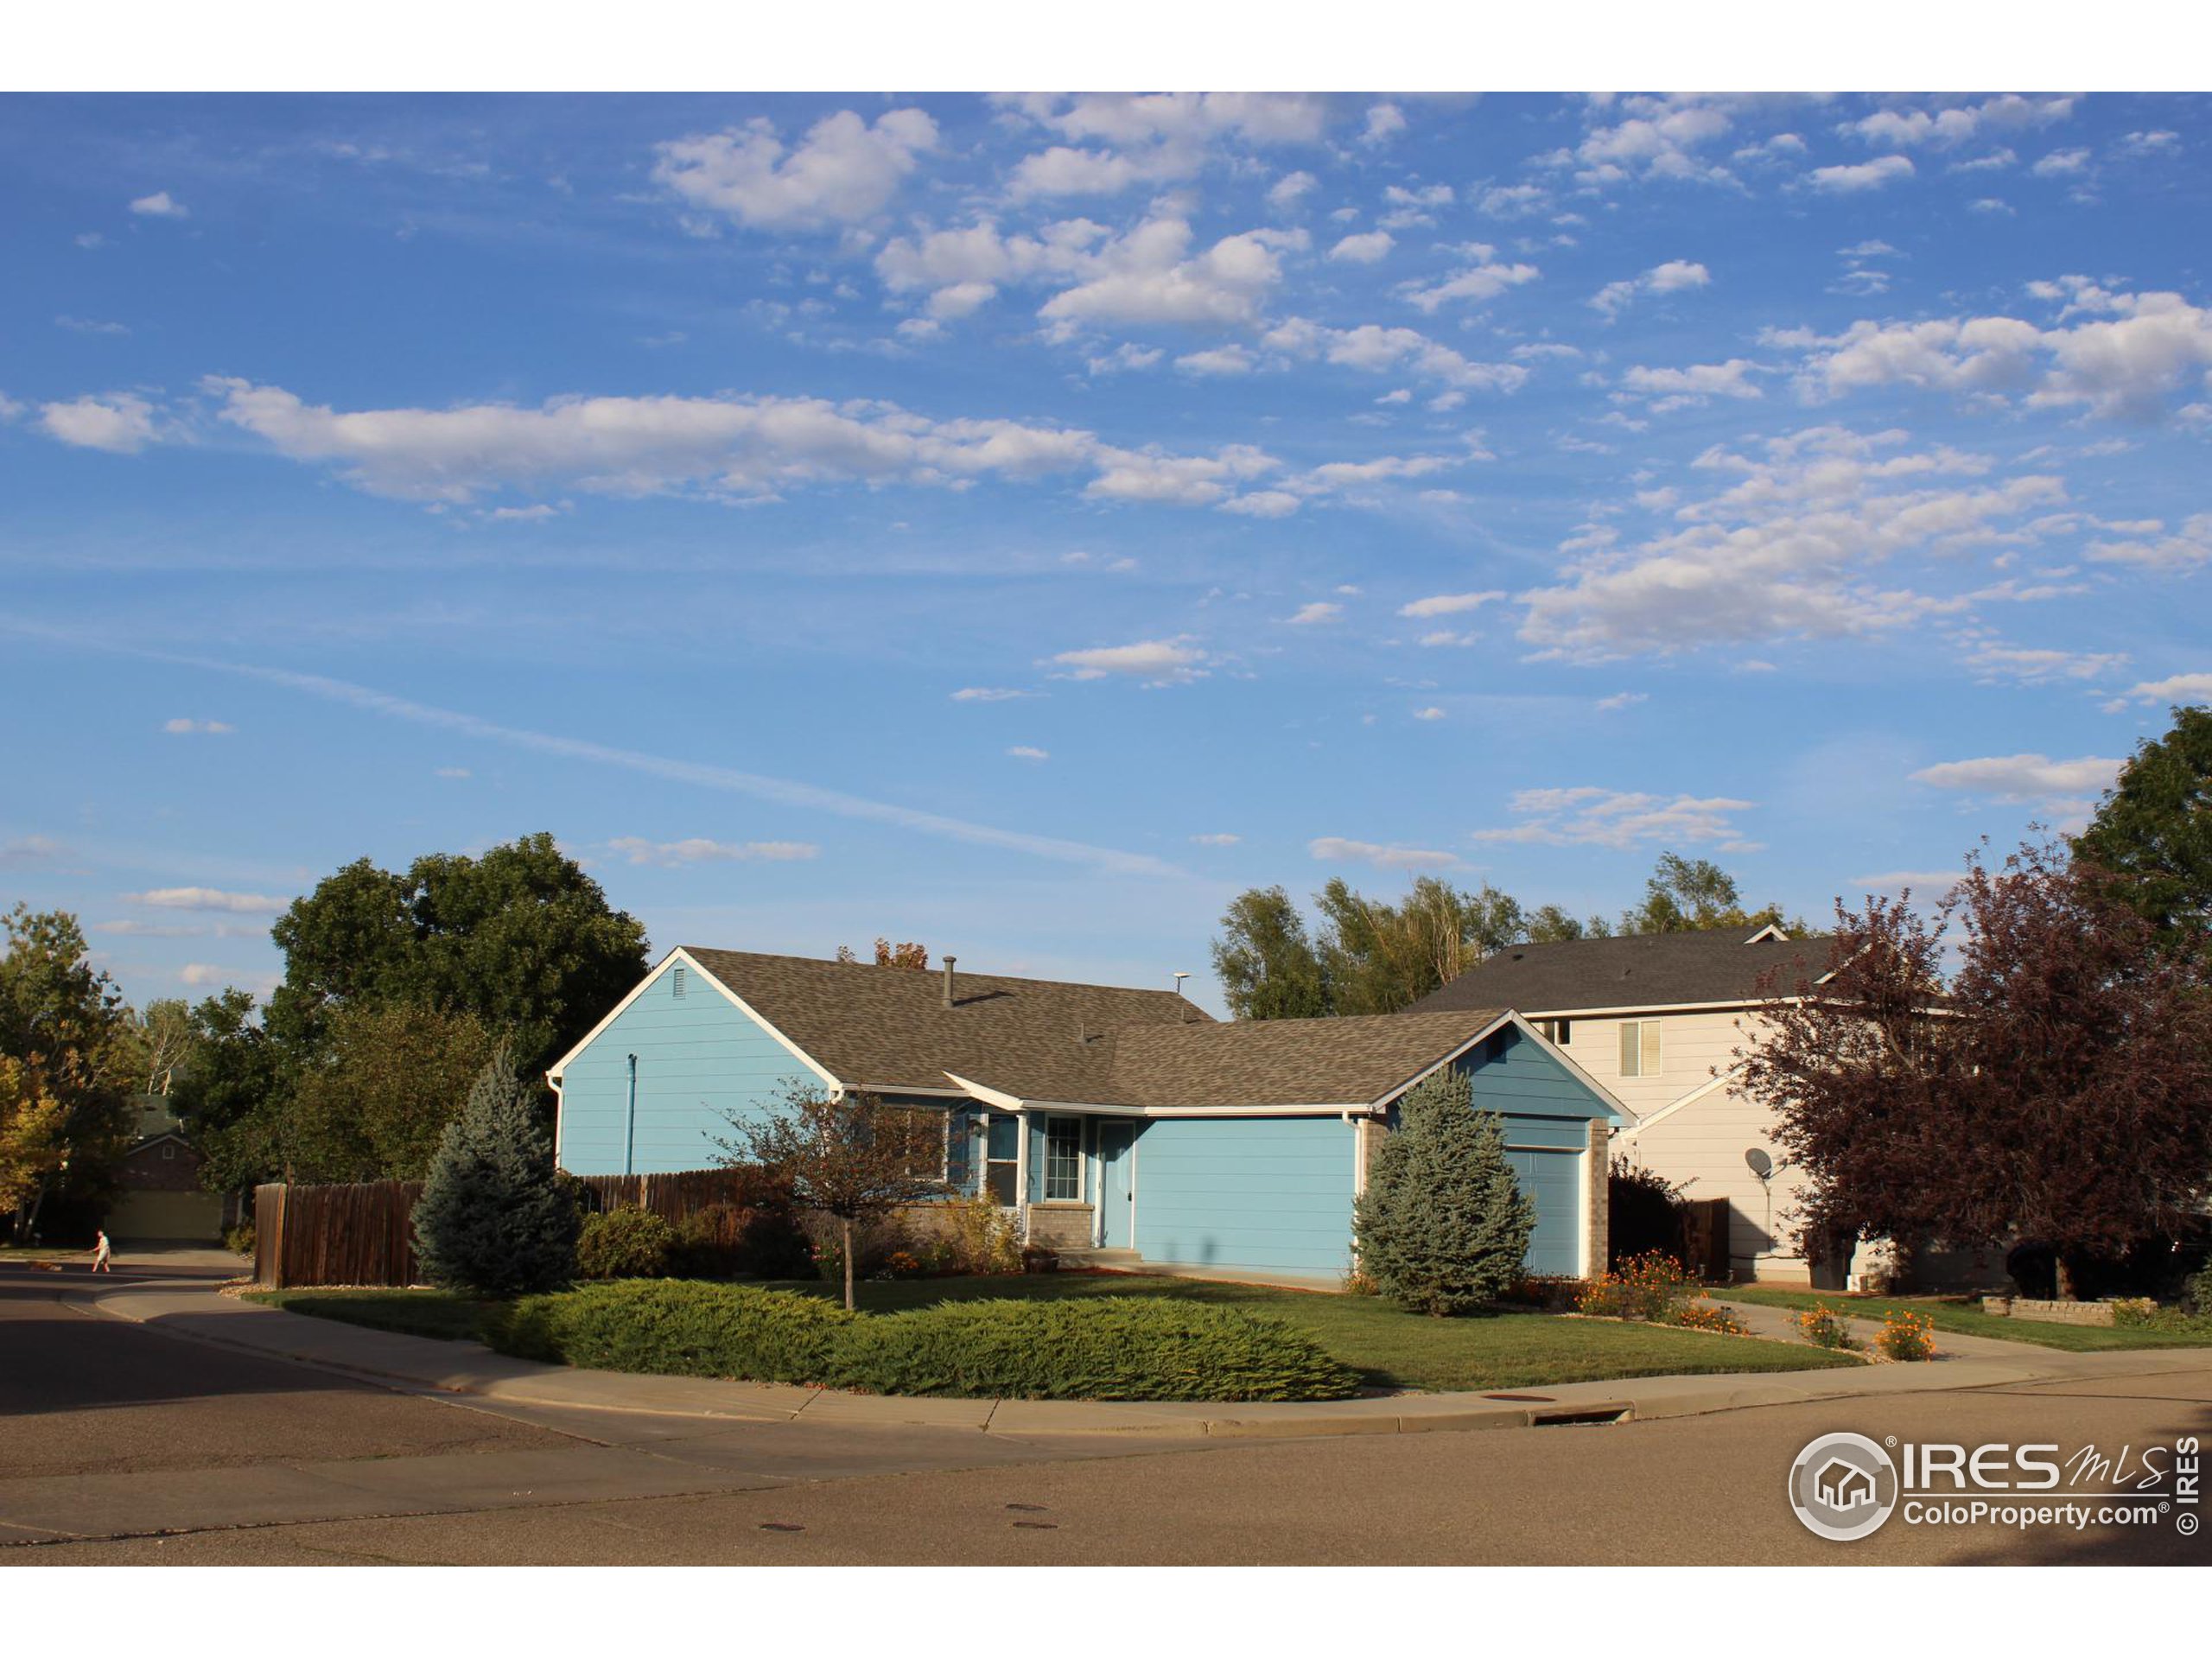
{"type": "Point", "coordinates": [1639, 1048]}
{"type": "Point", "coordinates": [1063, 1159]}
{"type": "Point", "coordinates": [1002, 1159]}
{"type": "Point", "coordinates": [1559, 1030]}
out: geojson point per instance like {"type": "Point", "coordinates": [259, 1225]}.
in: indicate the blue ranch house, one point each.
{"type": "Point", "coordinates": [1121, 1125]}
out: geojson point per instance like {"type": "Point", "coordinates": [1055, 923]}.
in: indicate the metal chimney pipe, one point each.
{"type": "Point", "coordinates": [948, 960]}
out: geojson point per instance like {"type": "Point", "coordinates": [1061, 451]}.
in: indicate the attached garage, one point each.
{"type": "Point", "coordinates": [148, 1217]}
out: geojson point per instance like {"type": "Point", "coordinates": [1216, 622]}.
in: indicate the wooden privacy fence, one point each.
{"type": "Point", "coordinates": [1705, 1239]}
{"type": "Point", "coordinates": [358, 1233]}
{"type": "Point", "coordinates": [675, 1194]}
{"type": "Point", "coordinates": [363, 1234]}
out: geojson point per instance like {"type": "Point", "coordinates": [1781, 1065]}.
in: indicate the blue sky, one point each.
{"type": "Point", "coordinates": [1021, 524]}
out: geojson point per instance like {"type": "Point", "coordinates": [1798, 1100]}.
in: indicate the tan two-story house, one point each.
{"type": "Point", "coordinates": [1658, 1018]}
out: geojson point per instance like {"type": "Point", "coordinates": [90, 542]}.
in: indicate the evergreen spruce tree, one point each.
{"type": "Point", "coordinates": [492, 1220]}
{"type": "Point", "coordinates": [1443, 1227]}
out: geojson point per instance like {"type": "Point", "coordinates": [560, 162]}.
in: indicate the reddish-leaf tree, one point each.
{"type": "Point", "coordinates": [851, 1158]}
{"type": "Point", "coordinates": [2058, 1088]}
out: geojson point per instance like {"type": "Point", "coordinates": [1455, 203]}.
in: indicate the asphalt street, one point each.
{"type": "Point", "coordinates": [120, 1445]}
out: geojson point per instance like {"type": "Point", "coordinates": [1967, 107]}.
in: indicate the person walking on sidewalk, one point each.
{"type": "Point", "coordinates": [100, 1252]}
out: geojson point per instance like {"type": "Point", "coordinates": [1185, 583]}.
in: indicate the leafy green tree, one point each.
{"type": "Point", "coordinates": [231, 1096]}
{"type": "Point", "coordinates": [1265, 962]}
{"type": "Point", "coordinates": [1550, 925]}
{"type": "Point", "coordinates": [2153, 831]}
{"type": "Point", "coordinates": [1684, 894]}
{"type": "Point", "coordinates": [1443, 1227]}
{"type": "Point", "coordinates": [520, 937]}
{"type": "Point", "coordinates": [374, 1102]}
{"type": "Point", "coordinates": [64, 1024]}
{"type": "Point", "coordinates": [492, 1220]}
{"type": "Point", "coordinates": [1380, 957]}
{"type": "Point", "coordinates": [33, 1133]}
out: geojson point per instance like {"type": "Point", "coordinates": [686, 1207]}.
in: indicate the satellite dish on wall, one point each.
{"type": "Point", "coordinates": [1759, 1163]}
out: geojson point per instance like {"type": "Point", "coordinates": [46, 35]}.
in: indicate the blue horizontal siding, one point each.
{"type": "Point", "coordinates": [1510, 1073]}
{"type": "Point", "coordinates": [700, 1060]}
{"type": "Point", "coordinates": [1269, 1192]}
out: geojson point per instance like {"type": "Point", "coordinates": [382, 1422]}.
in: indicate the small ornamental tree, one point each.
{"type": "Point", "coordinates": [852, 1159]}
{"type": "Point", "coordinates": [1443, 1227]}
{"type": "Point", "coordinates": [492, 1219]}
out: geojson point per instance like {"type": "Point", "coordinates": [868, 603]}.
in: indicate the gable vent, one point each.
{"type": "Point", "coordinates": [677, 979]}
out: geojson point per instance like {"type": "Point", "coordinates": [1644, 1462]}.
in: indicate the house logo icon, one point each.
{"type": "Point", "coordinates": [1843, 1487]}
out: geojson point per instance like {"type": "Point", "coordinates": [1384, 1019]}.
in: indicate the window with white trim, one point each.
{"type": "Point", "coordinates": [1639, 1048]}
{"type": "Point", "coordinates": [1063, 1159]}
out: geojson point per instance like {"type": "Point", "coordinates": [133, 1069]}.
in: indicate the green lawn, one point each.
{"type": "Point", "coordinates": [1389, 1348]}
{"type": "Point", "coordinates": [1962, 1316]}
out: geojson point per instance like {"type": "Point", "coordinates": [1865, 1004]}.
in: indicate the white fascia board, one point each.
{"type": "Point", "coordinates": [1746, 1004]}
{"type": "Point", "coordinates": [553, 1073]}
{"type": "Point", "coordinates": [999, 1100]}
{"type": "Point", "coordinates": [1605, 1096]}
{"type": "Point", "coordinates": [836, 1085]}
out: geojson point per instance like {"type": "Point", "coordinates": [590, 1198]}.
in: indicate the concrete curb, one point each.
{"type": "Point", "coordinates": [472, 1371]}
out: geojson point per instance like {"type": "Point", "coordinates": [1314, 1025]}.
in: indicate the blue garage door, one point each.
{"type": "Point", "coordinates": [1553, 1181]}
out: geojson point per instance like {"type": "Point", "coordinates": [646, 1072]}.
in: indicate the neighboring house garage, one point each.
{"type": "Point", "coordinates": [159, 1198]}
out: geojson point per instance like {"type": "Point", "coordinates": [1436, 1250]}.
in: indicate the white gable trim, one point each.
{"type": "Point", "coordinates": [998, 1100]}
{"type": "Point", "coordinates": [1660, 1115]}
{"type": "Point", "coordinates": [553, 1073]}
{"type": "Point", "coordinates": [1771, 931]}
{"type": "Point", "coordinates": [1605, 1095]}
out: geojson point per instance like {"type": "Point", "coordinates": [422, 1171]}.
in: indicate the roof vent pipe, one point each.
{"type": "Point", "coordinates": [948, 960]}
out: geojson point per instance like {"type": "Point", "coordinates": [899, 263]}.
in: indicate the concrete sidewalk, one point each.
{"type": "Point", "coordinates": [467, 1368]}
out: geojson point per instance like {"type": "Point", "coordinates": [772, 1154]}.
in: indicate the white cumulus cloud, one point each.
{"type": "Point", "coordinates": [845, 169]}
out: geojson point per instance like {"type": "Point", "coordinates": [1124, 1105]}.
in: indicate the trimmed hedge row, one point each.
{"type": "Point", "coordinates": [1097, 1348]}
{"type": "Point", "coordinates": [678, 1327]}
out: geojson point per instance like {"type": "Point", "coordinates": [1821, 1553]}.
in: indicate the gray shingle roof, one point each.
{"type": "Point", "coordinates": [1642, 970]}
{"type": "Point", "coordinates": [1097, 1045]}
{"type": "Point", "coordinates": [1343, 1062]}
{"type": "Point", "coordinates": [889, 1026]}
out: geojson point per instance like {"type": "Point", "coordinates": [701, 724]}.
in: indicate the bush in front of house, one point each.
{"type": "Point", "coordinates": [1091, 1348]}
{"type": "Point", "coordinates": [1644, 1210]}
{"type": "Point", "coordinates": [1443, 1227]}
{"type": "Point", "coordinates": [675, 1327]}
{"type": "Point", "coordinates": [628, 1243]}
{"type": "Point", "coordinates": [492, 1219]}
{"type": "Point", "coordinates": [1907, 1336]}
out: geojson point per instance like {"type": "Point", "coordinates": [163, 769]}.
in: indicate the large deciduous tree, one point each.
{"type": "Point", "coordinates": [1265, 962]}
{"type": "Point", "coordinates": [64, 1027]}
{"type": "Point", "coordinates": [520, 937]}
{"type": "Point", "coordinates": [2057, 1089]}
{"type": "Point", "coordinates": [1683, 894]}
{"type": "Point", "coordinates": [377, 1096]}
{"type": "Point", "coordinates": [2153, 832]}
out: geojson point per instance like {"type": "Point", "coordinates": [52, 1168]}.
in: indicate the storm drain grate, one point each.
{"type": "Point", "coordinates": [1031, 1509]}
{"type": "Point", "coordinates": [1040, 1526]}
{"type": "Point", "coordinates": [1574, 1417]}
{"type": "Point", "coordinates": [781, 1526]}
